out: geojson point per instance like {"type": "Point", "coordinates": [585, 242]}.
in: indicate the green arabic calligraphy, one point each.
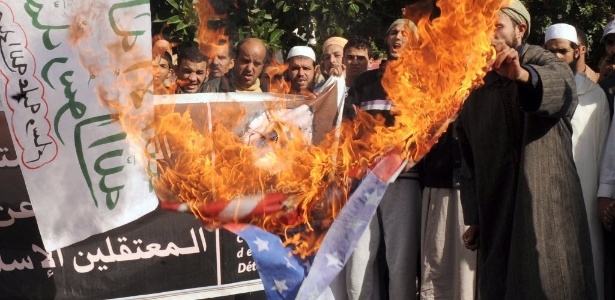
{"type": "Point", "coordinates": [112, 193]}
{"type": "Point", "coordinates": [126, 43]}
{"type": "Point", "coordinates": [77, 109]}
{"type": "Point", "coordinates": [34, 9]}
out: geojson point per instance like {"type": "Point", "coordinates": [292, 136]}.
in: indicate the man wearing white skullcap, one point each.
{"type": "Point", "coordinates": [590, 126]}
{"type": "Point", "coordinates": [561, 40]}
{"type": "Point", "coordinates": [520, 190]}
{"type": "Point", "coordinates": [301, 64]}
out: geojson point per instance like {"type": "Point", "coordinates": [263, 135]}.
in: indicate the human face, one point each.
{"type": "Point", "coordinates": [221, 63]}
{"type": "Point", "coordinates": [609, 43]}
{"type": "Point", "coordinates": [396, 39]}
{"type": "Point", "coordinates": [191, 75]}
{"type": "Point", "coordinates": [507, 31]}
{"type": "Point", "coordinates": [301, 73]}
{"type": "Point", "coordinates": [249, 64]}
{"type": "Point", "coordinates": [331, 58]}
{"type": "Point", "coordinates": [562, 48]}
{"type": "Point", "coordinates": [356, 61]}
{"type": "Point", "coordinates": [161, 70]}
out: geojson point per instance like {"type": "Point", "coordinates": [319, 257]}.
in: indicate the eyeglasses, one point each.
{"type": "Point", "coordinates": [357, 57]}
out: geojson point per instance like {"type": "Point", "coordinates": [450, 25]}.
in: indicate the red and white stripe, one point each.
{"type": "Point", "coordinates": [237, 209]}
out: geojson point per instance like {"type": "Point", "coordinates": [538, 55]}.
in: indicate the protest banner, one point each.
{"type": "Point", "coordinates": [81, 175]}
{"type": "Point", "coordinates": [78, 215]}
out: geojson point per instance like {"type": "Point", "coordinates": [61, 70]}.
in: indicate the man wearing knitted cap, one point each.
{"type": "Point", "coordinates": [331, 62]}
{"type": "Point", "coordinates": [519, 187]}
{"type": "Point", "coordinates": [397, 223]}
{"type": "Point", "coordinates": [300, 73]}
{"type": "Point", "coordinates": [332, 54]}
{"type": "Point", "coordinates": [590, 126]}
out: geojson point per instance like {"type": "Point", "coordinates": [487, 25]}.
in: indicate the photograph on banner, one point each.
{"type": "Point", "coordinates": [224, 123]}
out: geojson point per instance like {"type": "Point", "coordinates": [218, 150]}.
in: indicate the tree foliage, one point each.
{"type": "Point", "coordinates": [286, 23]}
{"type": "Point", "coordinates": [281, 23]}
{"type": "Point", "coordinates": [589, 16]}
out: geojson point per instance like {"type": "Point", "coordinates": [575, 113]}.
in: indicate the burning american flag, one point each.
{"type": "Point", "coordinates": [284, 172]}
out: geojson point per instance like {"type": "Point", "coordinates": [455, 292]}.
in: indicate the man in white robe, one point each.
{"type": "Point", "coordinates": [590, 126]}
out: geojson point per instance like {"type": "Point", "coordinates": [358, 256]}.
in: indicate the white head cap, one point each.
{"type": "Point", "coordinates": [561, 31]}
{"type": "Point", "coordinates": [301, 51]}
{"type": "Point", "coordinates": [608, 29]}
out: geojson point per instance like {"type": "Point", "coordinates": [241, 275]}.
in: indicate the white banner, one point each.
{"type": "Point", "coordinates": [69, 68]}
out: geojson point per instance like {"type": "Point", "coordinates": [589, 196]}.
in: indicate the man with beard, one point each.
{"type": "Point", "coordinates": [582, 66]}
{"type": "Point", "coordinates": [246, 71]}
{"type": "Point", "coordinates": [519, 187]}
{"type": "Point", "coordinates": [590, 126]}
{"type": "Point", "coordinates": [300, 73]}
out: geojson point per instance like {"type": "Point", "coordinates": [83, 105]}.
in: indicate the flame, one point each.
{"type": "Point", "coordinates": [434, 75]}
{"type": "Point", "coordinates": [428, 85]}
{"type": "Point", "coordinates": [212, 166]}
{"type": "Point", "coordinates": [275, 74]}
{"type": "Point", "coordinates": [211, 35]}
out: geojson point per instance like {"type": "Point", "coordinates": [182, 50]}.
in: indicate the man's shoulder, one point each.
{"type": "Point", "coordinates": [608, 82]}
{"type": "Point", "coordinates": [533, 49]}
{"type": "Point", "coordinates": [217, 85]}
{"type": "Point", "coordinates": [211, 86]}
{"type": "Point", "coordinates": [536, 55]}
{"type": "Point", "coordinates": [368, 76]}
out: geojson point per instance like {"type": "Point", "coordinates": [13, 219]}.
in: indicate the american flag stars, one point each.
{"type": "Point", "coordinates": [279, 285]}
{"type": "Point", "coordinates": [262, 245]}
{"type": "Point", "coordinates": [333, 260]}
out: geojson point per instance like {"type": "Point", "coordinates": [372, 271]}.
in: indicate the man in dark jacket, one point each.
{"type": "Point", "coordinates": [521, 193]}
{"type": "Point", "coordinates": [398, 218]}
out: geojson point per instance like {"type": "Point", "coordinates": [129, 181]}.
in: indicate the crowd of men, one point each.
{"type": "Point", "coordinates": [526, 175]}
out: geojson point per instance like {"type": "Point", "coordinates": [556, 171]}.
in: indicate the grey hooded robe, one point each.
{"type": "Point", "coordinates": [519, 183]}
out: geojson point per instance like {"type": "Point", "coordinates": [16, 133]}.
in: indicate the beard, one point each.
{"type": "Point", "coordinates": [573, 65]}
{"type": "Point", "coordinates": [512, 41]}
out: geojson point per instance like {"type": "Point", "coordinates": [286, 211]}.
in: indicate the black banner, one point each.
{"type": "Point", "coordinates": [161, 252]}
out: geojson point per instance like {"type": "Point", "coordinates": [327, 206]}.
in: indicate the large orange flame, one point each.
{"type": "Point", "coordinates": [428, 85]}
{"type": "Point", "coordinates": [431, 79]}
{"type": "Point", "coordinates": [307, 185]}
{"type": "Point", "coordinates": [211, 35]}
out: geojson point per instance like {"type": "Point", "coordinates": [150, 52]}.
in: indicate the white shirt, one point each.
{"type": "Point", "coordinates": [590, 128]}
